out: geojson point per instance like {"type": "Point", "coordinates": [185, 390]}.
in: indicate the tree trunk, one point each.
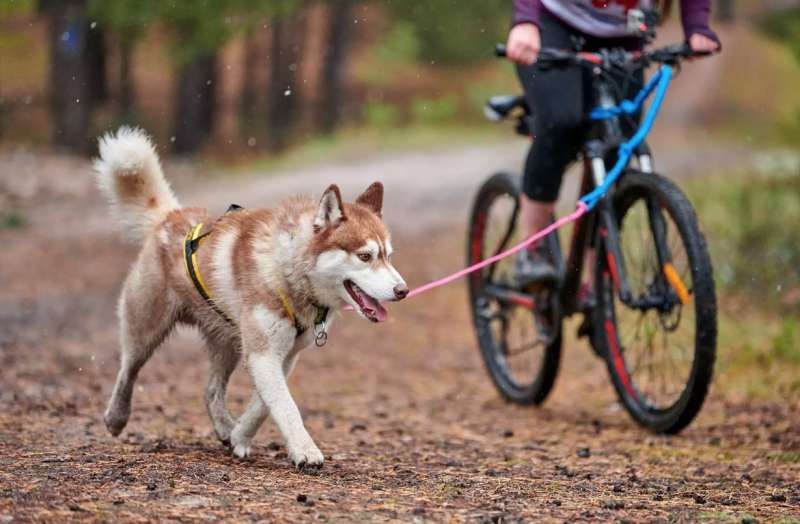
{"type": "Point", "coordinates": [249, 97]}
{"type": "Point", "coordinates": [96, 57]}
{"type": "Point", "coordinates": [334, 65]}
{"type": "Point", "coordinates": [195, 101]}
{"type": "Point", "coordinates": [284, 97]}
{"type": "Point", "coordinates": [126, 93]}
{"type": "Point", "coordinates": [71, 80]}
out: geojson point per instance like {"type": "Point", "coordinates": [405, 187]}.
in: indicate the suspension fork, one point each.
{"type": "Point", "coordinates": [608, 235]}
{"type": "Point", "coordinates": [658, 225]}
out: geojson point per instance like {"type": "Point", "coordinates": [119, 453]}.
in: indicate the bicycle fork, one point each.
{"type": "Point", "coordinates": [608, 230]}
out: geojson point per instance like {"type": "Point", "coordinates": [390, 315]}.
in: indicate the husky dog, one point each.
{"type": "Point", "coordinates": [261, 284]}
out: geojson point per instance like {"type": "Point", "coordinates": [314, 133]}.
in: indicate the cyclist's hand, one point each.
{"type": "Point", "coordinates": [701, 43]}
{"type": "Point", "coordinates": [523, 44]}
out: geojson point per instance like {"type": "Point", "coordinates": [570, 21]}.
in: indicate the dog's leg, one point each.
{"type": "Point", "coordinates": [267, 370]}
{"type": "Point", "coordinates": [253, 417]}
{"type": "Point", "coordinates": [143, 326]}
{"type": "Point", "coordinates": [268, 342]}
{"type": "Point", "coordinates": [247, 426]}
{"type": "Point", "coordinates": [224, 359]}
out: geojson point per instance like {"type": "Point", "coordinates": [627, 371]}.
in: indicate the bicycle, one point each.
{"type": "Point", "coordinates": [655, 317]}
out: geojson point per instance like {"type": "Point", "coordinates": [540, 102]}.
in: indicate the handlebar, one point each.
{"type": "Point", "coordinates": [671, 54]}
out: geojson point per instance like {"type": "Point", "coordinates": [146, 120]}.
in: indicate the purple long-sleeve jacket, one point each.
{"type": "Point", "coordinates": [578, 13]}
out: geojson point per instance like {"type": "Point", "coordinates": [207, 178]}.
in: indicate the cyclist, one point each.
{"type": "Point", "coordinates": [560, 98]}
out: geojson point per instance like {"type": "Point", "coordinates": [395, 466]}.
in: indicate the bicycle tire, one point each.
{"type": "Point", "coordinates": [673, 418]}
{"type": "Point", "coordinates": [535, 392]}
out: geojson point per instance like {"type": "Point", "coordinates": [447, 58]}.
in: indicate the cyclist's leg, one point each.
{"type": "Point", "coordinates": [557, 98]}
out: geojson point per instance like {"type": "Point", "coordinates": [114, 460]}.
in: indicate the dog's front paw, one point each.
{"type": "Point", "coordinates": [242, 450]}
{"type": "Point", "coordinates": [240, 445]}
{"type": "Point", "coordinates": [307, 457]}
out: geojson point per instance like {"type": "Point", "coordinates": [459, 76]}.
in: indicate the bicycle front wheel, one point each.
{"type": "Point", "coordinates": [519, 333]}
{"type": "Point", "coordinates": [660, 342]}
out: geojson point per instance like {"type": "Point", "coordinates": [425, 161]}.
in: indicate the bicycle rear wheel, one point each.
{"type": "Point", "coordinates": [660, 344]}
{"type": "Point", "coordinates": [519, 334]}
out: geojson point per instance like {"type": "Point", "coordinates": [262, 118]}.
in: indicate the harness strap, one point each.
{"type": "Point", "coordinates": [287, 307]}
{"type": "Point", "coordinates": [190, 245]}
{"type": "Point", "coordinates": [319, 320]}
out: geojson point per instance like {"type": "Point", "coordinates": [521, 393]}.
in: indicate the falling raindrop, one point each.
{"type": "Point", "coordinates": [288, 91]}
{"type": "Point", "coordinates": [93, 25]}
{"type": "Point", "coordinates": [172, 138]}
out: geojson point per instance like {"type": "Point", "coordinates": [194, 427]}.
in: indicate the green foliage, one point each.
{"type": "Point", "coordinates": [12, 220]}
{"type": "Point", "coordinates": [751, 226]}
{"type": "Point", "coordinates": [792, 457]}
{"type": "Point", "coordinates": [453, 32]}
{"type": "Point", "coordinates": [381, 115]}
{"type": "Point", "coordinates": [786, 344]}
{"type": "Point", "coordinates": [12, 7]}
{"type": "Point", "coordinates": [128, 20]}
{"type": "Point", "coordinates": [199, 26]}
{"type": "Point", "coordinates": [434, 110]}
{"type": "Point", "coordinates": [400, 45]}
{"type": "Point", "coordinates": [784, 25]}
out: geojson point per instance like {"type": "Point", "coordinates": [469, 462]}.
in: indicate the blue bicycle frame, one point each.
{"type": "Point", "coordinates": [603, 217]}
{"type": "Point", "coordinates": [658, 83]}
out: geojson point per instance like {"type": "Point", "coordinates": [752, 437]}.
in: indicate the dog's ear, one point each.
{"type": "Point", "coordinates": [372, 197]}
{"type": "Point", "coordinates": [330, 211]}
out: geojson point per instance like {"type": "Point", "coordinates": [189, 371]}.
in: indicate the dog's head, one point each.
{"type": "Point", "coordinates": [352, 253]}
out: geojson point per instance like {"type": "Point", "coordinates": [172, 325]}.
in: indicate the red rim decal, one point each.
{"type": "Point", "coordinates": [612, 266]}
{"type": "Point", "coordinates": [619, 364]}
{"type": "Point", "coordinates": [526, 302]}
{"type": "Point", "coordinates": [477, 243]}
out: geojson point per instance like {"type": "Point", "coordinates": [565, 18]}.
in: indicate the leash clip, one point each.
{"type": "Point", "coordinates": [321, 336]}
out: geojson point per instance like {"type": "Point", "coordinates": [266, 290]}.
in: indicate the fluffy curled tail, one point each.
{"type": "Point", "coordinates": [129, 175]}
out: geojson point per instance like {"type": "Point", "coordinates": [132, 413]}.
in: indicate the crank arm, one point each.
{"type": "Point", "coordinates": [507, 295]}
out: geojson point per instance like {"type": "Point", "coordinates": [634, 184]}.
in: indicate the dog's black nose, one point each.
{"type": "Point", "coordinates": [400, 291]}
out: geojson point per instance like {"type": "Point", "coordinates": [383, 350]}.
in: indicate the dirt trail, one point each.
{"type": "Point", "coordinates": [408, 420]}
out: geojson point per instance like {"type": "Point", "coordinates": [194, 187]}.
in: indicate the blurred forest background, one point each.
{"type": "Point", "coordinates": [255, 75]}
{"type": "Point", "coordinates": [236, 74]}
{"type": "Point", "coordinates": [243, 82]}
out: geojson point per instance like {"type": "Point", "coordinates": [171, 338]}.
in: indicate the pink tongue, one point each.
{"type": "Point", "coordinates": [380, 312]}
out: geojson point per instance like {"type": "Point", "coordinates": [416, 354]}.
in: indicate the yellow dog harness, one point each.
{"type": "Point", "coordinates": [192, 243]}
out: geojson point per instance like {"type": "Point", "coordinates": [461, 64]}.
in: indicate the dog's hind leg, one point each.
{"type": "Point", "coordinates": [224, 359]}
{"type": "Point", "coordinates": [146, 318]}
{"type": "Point", "coordinates": [247, 426]}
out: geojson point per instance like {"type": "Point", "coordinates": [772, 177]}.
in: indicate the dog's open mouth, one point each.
{"type": "Point", "coordinates": [370, 308]}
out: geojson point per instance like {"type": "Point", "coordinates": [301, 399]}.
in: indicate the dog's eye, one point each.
{"type": "Point", "coordinates": [365, 257]}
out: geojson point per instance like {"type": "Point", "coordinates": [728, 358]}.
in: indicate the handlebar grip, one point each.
{"type": "Point", "coordinates": [500, 50]}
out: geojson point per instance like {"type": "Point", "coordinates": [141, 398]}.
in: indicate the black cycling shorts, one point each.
{"type": "Point", "coordinates": [560, 100]}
